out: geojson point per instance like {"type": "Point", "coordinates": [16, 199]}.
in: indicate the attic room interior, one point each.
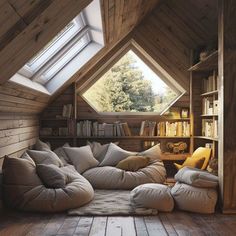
{"type": "Point", "coordinates": [117, 117]}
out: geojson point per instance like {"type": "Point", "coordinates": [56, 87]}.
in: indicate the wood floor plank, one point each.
{"type": "Point", "coordinates": [167, 224]}
{"type": "Point", "coordinates": [140, 226]}
{"type": "Point", "coordinates": [84, 226]}
{"type": "Point", "coordinates": [99, 226]}
{"type": "Point", "coordinates": [120, 226]}
{"type": "Point", "coordinates": [69, 225]}
{"type": "Point", "coordinates": [154, 226]}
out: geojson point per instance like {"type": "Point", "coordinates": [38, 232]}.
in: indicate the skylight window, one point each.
{"type": "Point", "coordinates": [131, 86]}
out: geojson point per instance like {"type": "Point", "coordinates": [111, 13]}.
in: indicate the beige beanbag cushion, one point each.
{"type": "Point", "coordinates": [196, 177]}
{"type": "Point", "coordinates": [81, 157]}
{"type": "Point", "coordinates": [133, 163]}
{"type": "Point", "coordinates": [189, 198]}
{"type": "Point", "coordinates": [155, 196]}
{"type": "Point", "coordinates": [108, 177]}
{"type": "Point", "coordinates": [23, 189]}
{"type": "Point", "coordinates": [45, 157]}
{"type": "Point", "coordinates": [114, 155]}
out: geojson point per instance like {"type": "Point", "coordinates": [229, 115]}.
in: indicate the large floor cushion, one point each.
{"type": "Point", "coordinates": [189, 198]}
{"type": "Point", "coordinates": [108, 177]}
{"type": "Point", "coordinates": [24, 190]}
{"type": "Point", "coordinates": [155, 196]}
{"type": "Point", "coordinates": [196, 177]}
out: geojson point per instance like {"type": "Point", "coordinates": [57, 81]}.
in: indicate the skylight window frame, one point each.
{"type": "Point", "coordinates": [132, 45]}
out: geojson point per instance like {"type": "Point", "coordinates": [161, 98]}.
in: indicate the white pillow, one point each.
{"type": "Point", "coordinates": [154, 153]}
{"type": "Point", "coordinates": [61, 154]}
{"type": "Point", "coordinates": [81, 157]}
{"type": "Point", "coordinates": [99, 150]}
{"type": "Point", "coordinates": [114, 155]}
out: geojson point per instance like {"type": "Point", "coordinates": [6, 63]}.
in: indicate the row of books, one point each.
{"type": "Point", "coordinates": [147, 128]}
{"type": "Point", "coordinates": [89, 128]}
{"type": "Point", "coordinates": [210, 83]}
{"type": "Point", "coordinates": [171, 129]}
{"type": "Point", "coordinates": [209, 106]}
{"type": "Point", "coordinates": [210, 128]}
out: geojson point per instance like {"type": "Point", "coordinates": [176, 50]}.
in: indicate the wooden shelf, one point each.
{"type": "Point", "coordinates": [136, 137]}
{"type": "Point", "coordinates": [174, 157]}
{"type": "Point", "coordinates": [209, 93]}
{"type": "Point", "coordinates": [55, 119]}
{"type": "Point", "coordinates": [57, 137]}
{"type": "Point", "coordinates": [210, 62]}
{"type": "Point", "coordinates": [208, 115]}
{"type": "Point", "coordinates": [208, 138]}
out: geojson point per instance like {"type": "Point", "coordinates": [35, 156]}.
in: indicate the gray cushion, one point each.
{"type": "Point", "coordinates": [154, 152]}
{"type": "Point", "coordinates": [24, 190]}
{"type": "Point", "coordinates": [196, 177]}
{"type": "Point", "coordinates": [40, 145]}
{"type": "Point", "coordinates": [189, 198]}
{"type": "Point", "coordinates": [26, 156]}
{"type": "Point", "coordinates": [155, 196]}
{"type": "Point", "coordinates": [109, 177]}
{"type": "Point", "coordinates": [51, 176]}
{"type": "Point", "coordinates": [81, 157]}
{"type": "Point", "coordinates": [61, 154]}
{"type": "Point", "coordinates": [114, 155]}
{"type": "Point", "coordinates": [45, 157]}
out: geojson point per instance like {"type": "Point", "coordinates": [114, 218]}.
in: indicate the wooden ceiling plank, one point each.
{"type": "Point", "coordinates": [37, 34]}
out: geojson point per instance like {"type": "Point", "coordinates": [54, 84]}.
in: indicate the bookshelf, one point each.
{"type": "Point", "coordinates": [204, 103]}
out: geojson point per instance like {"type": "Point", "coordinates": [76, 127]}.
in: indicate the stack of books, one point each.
{"type": "Point", "coordinates": [210, 84]}
{"type": "Point", "coordinates": [209, 106]}
{"type": "Point", "coordinates": [147, 128]}
{"type": "Point", "coordinates": [210, 128]}
{"type": "Point", "coordinates": [172, 129]}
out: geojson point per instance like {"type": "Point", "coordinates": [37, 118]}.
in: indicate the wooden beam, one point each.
{"type": "Point", "coordinates": [37, 34]}
{"type": "Point", "coordinates": [227, 104]}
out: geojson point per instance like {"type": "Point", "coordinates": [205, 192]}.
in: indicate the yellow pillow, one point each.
{"type": "Point", "coordinates": [191, 162]}
{"type": "Point", "coordinates": [133, 163]}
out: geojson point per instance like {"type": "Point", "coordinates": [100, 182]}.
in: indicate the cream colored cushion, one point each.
{"type": "Point", "coordinates": [114, 155]}
{"type": "Point", "coordinates": [155, 196]}
{"type": "Point", "coordinates": [154, 152]}
{"type": "Point", "coordinates": [189, 198]}
{"type": "Point", "coordinates": [45, 157]}
{"type": "Point", "coordinates": [196, 177]}
{"type": "Point", "coordinates": [108, 177]}
{"type": "Point", "coordinates": [81, 157]}
{"type": "Point", "coordinates": [40, 145]}
{"type": "Point", "coordinates": [23, 189]}
{"type": "Point", "coordinates": [51, 176]}
{"type": "Point", "coordinates": [61, 154]}
{"type": "Point", "coordinates": [133, 163]}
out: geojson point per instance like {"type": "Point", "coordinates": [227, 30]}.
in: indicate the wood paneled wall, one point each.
{"type": "Point", "coordinates": [227, 104]}
{"type": "Point", "coordinates": [19, 109]}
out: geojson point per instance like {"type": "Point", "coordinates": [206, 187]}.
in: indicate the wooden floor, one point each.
{"type": "Point", "coordinates": [176, 223]}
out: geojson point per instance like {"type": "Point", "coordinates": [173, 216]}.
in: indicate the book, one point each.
{"type": "Point", "coordinates": [67, 111]}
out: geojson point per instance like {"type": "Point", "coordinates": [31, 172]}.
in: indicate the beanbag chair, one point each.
{"type": "Point", "coordinates": [189, 198]}
{"type": "Point", "coordinates": [24, 190]}
{"type": "Point", "coordinates": [109, 177]}
{"type": "Point", "coordinates": [155, 196]}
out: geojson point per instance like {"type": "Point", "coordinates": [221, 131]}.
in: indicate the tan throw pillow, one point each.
{"type": "Point", "coordinates": [40, 145]}
{"type": "Point", "coordinates": [133, 163]}
{"type": "Point", "coordinates": [114, 155]}
{"type": "Point", "coordinates": [81, 157]}
{"type": "Point", "coordinates": [45, 157]}
{"type": "Point", "coordinates": [51, 176]}
{"type": "Point", "coordinates": [154, 152]}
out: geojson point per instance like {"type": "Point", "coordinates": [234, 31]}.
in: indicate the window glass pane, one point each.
{"type": "Point", "coordinates": [70, 54]}
{"type": "Point", "coordinates": [130, 86]}
{"type": "Point", "coordinates": [62, 38]}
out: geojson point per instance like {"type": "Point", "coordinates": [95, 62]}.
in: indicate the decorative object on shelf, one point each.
{"type": "Point", "coordinates": [173, 112]}
{"type": "Point", "coordinates": [177, 148]}
{"type": "Point", "coordinates": [184, 113]}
